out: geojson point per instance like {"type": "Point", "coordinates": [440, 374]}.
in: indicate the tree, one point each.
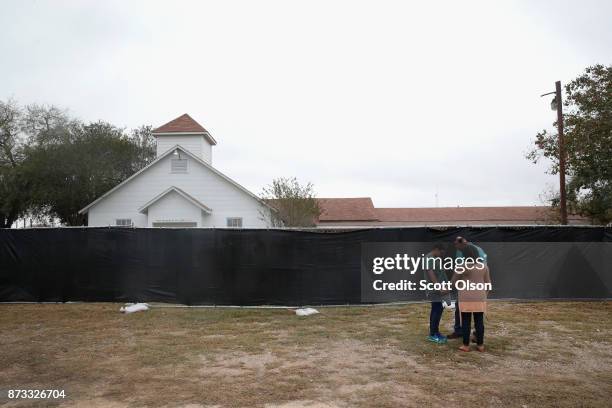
{"type": "Point", "coordinates": [45, 124]}
{"type": "Point", "coordinates": [89, 160]}
{"type": "Point", "coordinates": [146, 147]}
{"type": "Point", "coordinates": [296, 205]}
{"type": "Point", "coordinates": [52, 165]}
{"type": "Point", "coordinates": [588, 144]}
{"type": "Point", "coordinates": [13, 187]}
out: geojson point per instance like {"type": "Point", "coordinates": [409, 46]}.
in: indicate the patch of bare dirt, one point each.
{"type": "Point", "coordinates": [538, 355]}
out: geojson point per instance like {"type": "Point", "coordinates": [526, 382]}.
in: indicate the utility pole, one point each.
{"type": "Point", "coordinates": [557, 104]}
{"type": "Point", "coordinates": [562, 196]}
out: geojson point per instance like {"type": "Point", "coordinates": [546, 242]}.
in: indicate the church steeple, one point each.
{"type": "Point", "coordinates": [187, 133]}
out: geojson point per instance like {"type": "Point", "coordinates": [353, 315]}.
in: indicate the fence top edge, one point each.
{"type": "Point", "coordinates": [329, 228]}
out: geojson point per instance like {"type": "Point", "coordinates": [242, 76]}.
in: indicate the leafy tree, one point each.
{"type": "Point", "coordinates": [588, 144]}
{"type": "Point", "coordinates": [13, 186]}
{"type": "Point", "coordinates": [82, 164]}
{"type": "Point", "coordinates": [296, 205]}
{"type": "Point", "coordinates": [52, 165]}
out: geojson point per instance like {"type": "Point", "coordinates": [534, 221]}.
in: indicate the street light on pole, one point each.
{"type": "Point", "coordinates": [557, 105]}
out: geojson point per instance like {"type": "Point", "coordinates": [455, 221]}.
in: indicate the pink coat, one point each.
{"type": "Point", "coordinates": [473, 300]}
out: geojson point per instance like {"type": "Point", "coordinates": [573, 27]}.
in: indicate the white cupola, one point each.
{"type": "Point", "coordinates": [187, 133]}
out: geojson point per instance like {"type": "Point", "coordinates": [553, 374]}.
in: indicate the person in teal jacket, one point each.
{"type": "Point", "coordinates": [435, 274]}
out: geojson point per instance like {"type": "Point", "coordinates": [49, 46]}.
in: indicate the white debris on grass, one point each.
{"type": "Point", "coordinates": [306, 311]}
{"type": "Point", "coordinates": [134, 307]}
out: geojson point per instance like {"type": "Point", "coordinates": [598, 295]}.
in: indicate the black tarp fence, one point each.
{"type": "Point", "coordinates": [277, 267]}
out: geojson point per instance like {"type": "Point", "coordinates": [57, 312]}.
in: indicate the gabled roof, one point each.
{"type": "Point", "coordinates": [184, 124]}
{"type": "Point", "coordinates": [347, 209]}
{"type": "Point", "coordinates": [168, 152]}
{"type": "Point", "coordinates": [186, 196]}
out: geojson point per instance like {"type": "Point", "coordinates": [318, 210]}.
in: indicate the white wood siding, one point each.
{"type": "Point", "coordinates": [174, 208]}
{"type": "Point", "coordinates": [196, 144]}
{"type": "Point", "coordinates": [225, 199]}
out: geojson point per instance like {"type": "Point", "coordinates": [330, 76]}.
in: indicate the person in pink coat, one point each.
{"type": "Point", "coordinates": [472, 299]}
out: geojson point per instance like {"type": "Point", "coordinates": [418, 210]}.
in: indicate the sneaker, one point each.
{"type": "Point", "coordinates": [436, 339]}
{"type": "Point", "coordinates": [441, 338]}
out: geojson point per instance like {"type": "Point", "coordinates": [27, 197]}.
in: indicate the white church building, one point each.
{"type": "Point", "coordinates": [180, 188]}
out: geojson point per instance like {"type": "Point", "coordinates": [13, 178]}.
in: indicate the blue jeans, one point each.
{"type": "Point", "coordinates": [457, 328]}
{"type": "Point", "coordinates": [434, 318]}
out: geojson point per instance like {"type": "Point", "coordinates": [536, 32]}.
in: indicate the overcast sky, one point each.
{"type": "Point", "coordinates": [391, 100]}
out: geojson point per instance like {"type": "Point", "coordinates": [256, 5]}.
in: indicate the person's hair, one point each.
{"type": "Point", "coordinates": [470, 252]}
{"type": "Point", "coordinates": [460, 240]}
{"type": "Point", "coordinates": [439, 245]}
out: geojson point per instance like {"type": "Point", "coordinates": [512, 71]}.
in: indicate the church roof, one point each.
{"type": "Point", "coordinates": [183, 124]}
{"type": "Point", "coordinates": [158, 159]}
